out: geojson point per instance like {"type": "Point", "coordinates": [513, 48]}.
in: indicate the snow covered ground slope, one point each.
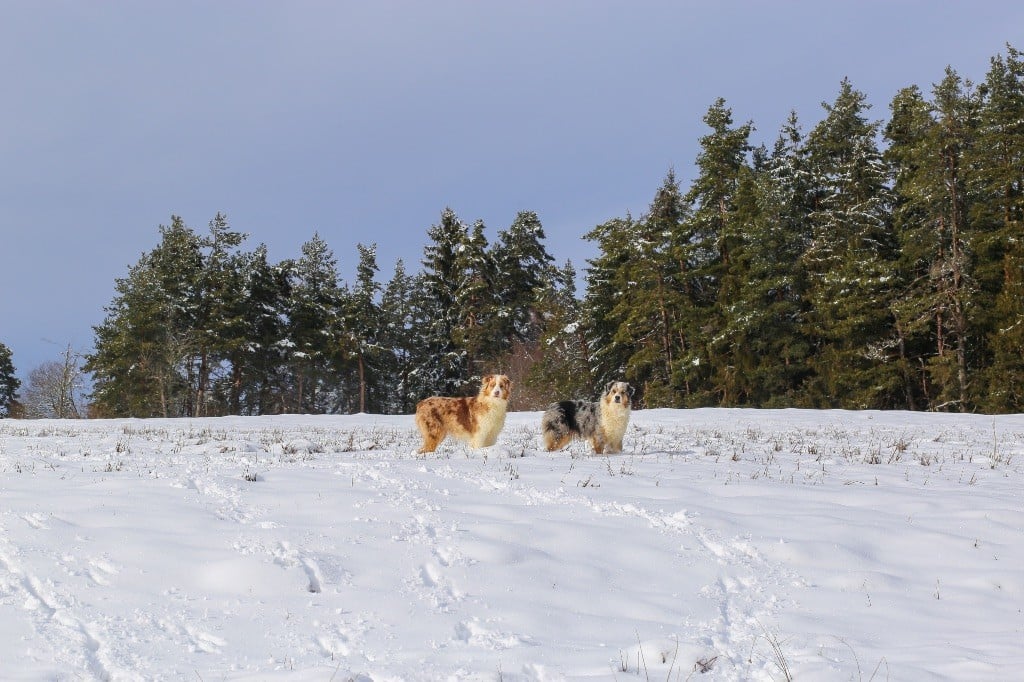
{"type": "Point", "coordinates": [722, 545]}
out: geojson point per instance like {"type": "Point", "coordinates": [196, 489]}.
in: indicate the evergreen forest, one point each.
{"type": "Point", "coordinates": [862, 263]}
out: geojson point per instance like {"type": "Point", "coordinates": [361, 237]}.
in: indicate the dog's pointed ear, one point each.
{"type": "Point", "coordinates": [629, 387]}
{"type": "Point", "coordinates": [608, 386]}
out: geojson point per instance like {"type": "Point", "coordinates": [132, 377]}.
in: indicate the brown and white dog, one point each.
{"type": "Point", "coordinates": [477, 419]}
{"type": "Point", "coordinates": [602, 423]}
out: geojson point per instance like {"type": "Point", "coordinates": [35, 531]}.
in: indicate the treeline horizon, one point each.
{"type": "Point", "coordinates": [863, 264]}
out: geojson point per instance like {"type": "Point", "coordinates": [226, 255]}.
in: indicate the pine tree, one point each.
{"type": "Point", "coordinates": [177, 266]}
{"type": "Point", "coordinates": [132, 373]}
{"type": "Point", "coordinates": [362, 324]}
{"type": "Point", "coordinates": [1000, 219]}
{"type": "Point", "coordinates": [9, 382]}
{"type": "Point", "coordinates": [318, 344]}
{"type": "Point", "coordinates": [259, 367]}
{"type": "Point", "coordinates": [143, 363]}
{"type": "Point", "coordinates": [219, 325]}
{"type": "Point", "coordinates": [851, 262]}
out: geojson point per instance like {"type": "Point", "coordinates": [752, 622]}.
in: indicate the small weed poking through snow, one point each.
{"type": "Point", "coordinates": [705, 665]}
{"type": "Point", "coordinates": [778, 656]}
{"type": "Point", "coordinates": [513, 472]}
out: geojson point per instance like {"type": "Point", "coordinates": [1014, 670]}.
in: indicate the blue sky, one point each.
{"type": "Point", "coordinates": [363, 120]}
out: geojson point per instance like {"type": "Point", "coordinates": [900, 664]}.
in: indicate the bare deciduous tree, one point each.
{"type": "Point", "coordinates": [54, 388]}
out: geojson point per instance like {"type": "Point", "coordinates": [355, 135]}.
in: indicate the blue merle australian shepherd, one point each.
{"type": "Point", "coordinates": [602, 423]}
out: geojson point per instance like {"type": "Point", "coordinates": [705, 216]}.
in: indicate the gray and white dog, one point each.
{"type": "Point", "coordinates": [603, 423]}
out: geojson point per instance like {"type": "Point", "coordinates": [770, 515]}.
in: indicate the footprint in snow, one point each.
{"type": "Point", "coordinates": [37, 521]}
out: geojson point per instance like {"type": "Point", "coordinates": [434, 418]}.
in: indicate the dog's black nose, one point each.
{"type": "Point", "coordinates": [617, 398]}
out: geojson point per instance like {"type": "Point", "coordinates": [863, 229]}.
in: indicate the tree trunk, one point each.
{"type": "Point", "coordinates": [362, 385]}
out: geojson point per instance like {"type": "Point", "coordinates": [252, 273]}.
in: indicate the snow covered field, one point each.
{"type": "Point", "coordinates": [722, 545]}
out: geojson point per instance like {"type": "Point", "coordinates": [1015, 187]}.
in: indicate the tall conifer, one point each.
{"type": "Point", "coordinates": [850, 261]}
{"type": "Point", "coordinates": [647, 321]}
{"type": "Point", "coordinates": [362, 324]}
{"type": "Point", "coordinates": [928, 143]}
{"type": "Point", "coordinates": [259, 368]}
{"type": "Point", "coordinates": [1000, 179]}
{"type": "Point", "coordinates": [9, 382]}
{"type": "Point", "coordinates": [607, 355]}
{"type": "Point", "coordinates": [405, 347]}
{"type": "Point", "coordinates": [318, 344]}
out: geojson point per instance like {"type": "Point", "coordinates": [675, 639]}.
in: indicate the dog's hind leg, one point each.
{"type": "Point", "coordinates": [554, 441]}
{"type": "Point", "coordinates": [431, 436]}
{"type": "Point", "coordinates": [429, 445]}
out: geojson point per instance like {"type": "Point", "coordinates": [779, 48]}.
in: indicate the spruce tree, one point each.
{"type": "Point", "coordinates": [523, 280]}
{"type": "Point", "coordinates": [851, 262]}
{"type": "Point", "coordinates": [9, 382]}
{"type": "Point", "coordinates": [563, 365]}
{"type": "Point", "coordinates": [1006, 374]}
{"type": "Point", "coordinates": [443, 368]}
{"type": "Point", "coordinates": [402, 341]}
{"type": "Point", "coordinates": [928, 143]}
{"type": "Point", "coordinates": [608, 352]}
{"type": "Point", "coordinates": [711, 246]}
{"type": "Point", "coordinates": [456, 305]}
{"type": "Point", "coordinates": [523, 274]}
{"type": "Point", "coordinates": [475, 294]}
{"type": "Point", "coordinates": [764, 306]}
{"type": "Point", "coordinates": [647, 321]}
{"type": "Point", "coordinates": [916, 308]}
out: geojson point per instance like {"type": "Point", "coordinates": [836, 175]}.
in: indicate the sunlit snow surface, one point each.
{"type": "Point", "coordinates": [721, 545]}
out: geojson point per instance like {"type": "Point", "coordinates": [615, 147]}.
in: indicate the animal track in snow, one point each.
{"type": "Point", "coordinates": [475, 633]}
{"type": "Point", "coordinates": [52, 617]}
{"type": "Point", "coordinates": [100, 571]}
{"type": "Point", "coordinates": [204, 641]}
{"type": "Point", "coordinates": [287, 557]}
{"type": "Point", "coordinates": [36, 520]}
{"type": "Point", "coordinates": [433, 587]}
